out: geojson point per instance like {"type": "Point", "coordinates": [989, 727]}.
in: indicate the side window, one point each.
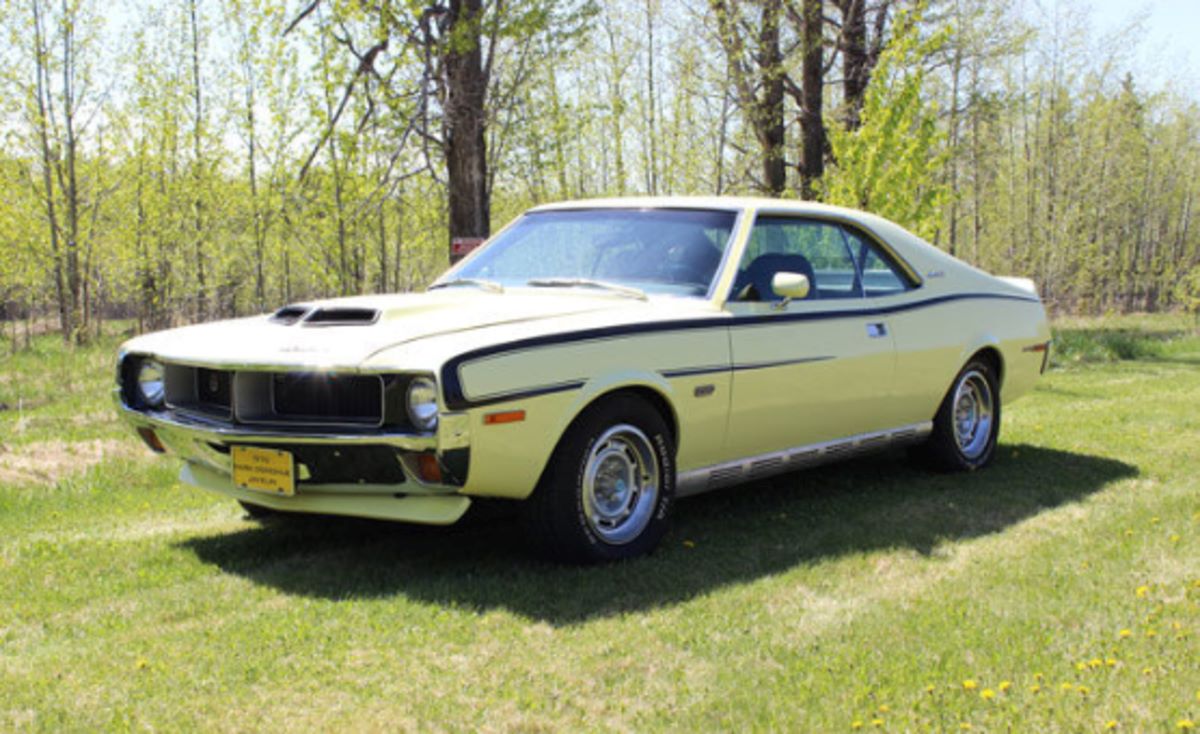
{"type": "Point", "coordinates": [880, 277]}
{"type": "Point", "coordinates": [811, 248]}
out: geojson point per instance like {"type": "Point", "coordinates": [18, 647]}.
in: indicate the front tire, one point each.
{"type": "Point", "coordinates": [967, 424]}
{"type": "Point", "coordinates": [607, 492]}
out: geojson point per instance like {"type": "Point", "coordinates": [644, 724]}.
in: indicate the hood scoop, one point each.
{"type": "Point", "coordinates": [289, 315]}
{"type": "Point", "coordinates": [326, 316]}
{"type": "Point", "coordinates": [341, 316]}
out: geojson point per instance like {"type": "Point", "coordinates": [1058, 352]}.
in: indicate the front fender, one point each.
{"type": "Point", "coordinates": [508, 459]}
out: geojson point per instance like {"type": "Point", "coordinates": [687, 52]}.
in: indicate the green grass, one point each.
{"type": "Point", "coordinates": [868, 592]}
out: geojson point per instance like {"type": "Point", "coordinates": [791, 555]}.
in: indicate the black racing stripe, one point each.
{"type": "Point", "coordinates": [780, 363]}
{"type": "Point", "coordinates": [691, 371]}
{"type": "Point", "coordinates": [456, 400]}
{"type": "Point", "coordinates": [532, 392]}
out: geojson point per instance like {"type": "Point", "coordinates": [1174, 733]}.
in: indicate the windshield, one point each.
{"type": "Point", "coordinates": [667, 251]}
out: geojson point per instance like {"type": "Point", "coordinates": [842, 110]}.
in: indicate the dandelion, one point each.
{"type": "Point", "coordinates": [1196, 584]}
{"type": "Point", "coordinates": [1035, 688]}
{"type": "Point", "coordinates": [969, 685]}
{"type": "Point", "coordinates": [1038, 676]}
{"type": "Point", "coordinates": [1125, 633]}
{"type": "Point", "coordinates": [1142, 591]}
{"type": "Point", "coordinates": [1004, 686]}
{"type": "Point", "coordinates": [877, 722]}
{"type": "Point", "coordinates": [1084, 690]}
{"type": "Point", "coordinates": [856, 724]}
{"type": "Point", "coordinates": [884, 708]}
{"type": "Point", "coordinates": [1110, 662]}
{"type": "Point", "coordinates": [1081, 666]}
{"type": "Point", "coordinates": [930, 689]}
{"type": "Point", "coordinates": [1154, 521]}
{"type": "Point", "coordinates": [1128, 533]}
{"type": "Point", "coordinates": [1066, 687]}
{"type": "Point", "coordinates": [1095, 663]}
{"type": "Point", "coordinates": [1110, 725]}
{"type": "Point", "coordinates": [142, 663]}
{"type": "Point", "coordinates": [987, 694]}
{"type": "Point", "coordinates": [1146, 671]}
{"type": "Point", "coordinates": [965, 726]}
{"type": "Point", "coordinates": [1185, 725]}
{"type": "Point", "coordinates": [1151, 633]}
{"type": "Point", "coordinates": [1174, 537]}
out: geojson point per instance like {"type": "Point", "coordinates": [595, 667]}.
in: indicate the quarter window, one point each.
{"type": "Point", "coordinates": [880, 276]}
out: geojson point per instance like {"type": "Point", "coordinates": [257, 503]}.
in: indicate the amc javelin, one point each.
{"type": "Point", "coordinates": [595, 360]}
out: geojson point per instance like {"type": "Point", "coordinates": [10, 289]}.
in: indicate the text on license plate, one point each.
{"type": "Point", "coordinates": [263, 470]}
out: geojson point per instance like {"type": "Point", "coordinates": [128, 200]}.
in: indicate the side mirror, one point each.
{"type": "Point", "coordinates": [790, 286]}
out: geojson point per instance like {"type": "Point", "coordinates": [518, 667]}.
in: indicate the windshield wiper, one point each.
{"type": "Point", "coordinates": [587, 283]}
{"type": "Point", "coordinates": [490, 286]}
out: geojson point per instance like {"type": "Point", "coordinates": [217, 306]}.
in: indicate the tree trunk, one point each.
{"type": "Point", "coordinates": [466, 149]}
{"type": "Point", "coordinates": [65, 316]}
{"type": "Point", "coordinates": [198, 175]}
{"type": "Point", "coordinates": [856, 60]}
{"type": "Point", "coordinates": [771, 122]}
{"type": "Point", "coordinates": [812, 123]}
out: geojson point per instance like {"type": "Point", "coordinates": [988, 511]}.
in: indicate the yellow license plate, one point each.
{"type": "Point", "coordinates": [264, 470]}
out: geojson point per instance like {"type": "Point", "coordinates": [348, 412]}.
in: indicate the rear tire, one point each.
{"type": "Point", "coordinates": [608, 490]}
{"type": "Point", "coordinates": [967, 424]}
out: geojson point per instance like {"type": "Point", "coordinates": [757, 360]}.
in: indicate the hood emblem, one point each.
{"type": "Point", "coordinates": [299, 348]}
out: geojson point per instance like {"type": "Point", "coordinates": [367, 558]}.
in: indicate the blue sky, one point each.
{"type": "Point", "coordinates": [1169, 52]}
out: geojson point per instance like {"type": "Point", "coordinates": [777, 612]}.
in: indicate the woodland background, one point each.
{"type": "Point", "coordinates": [180, 160]}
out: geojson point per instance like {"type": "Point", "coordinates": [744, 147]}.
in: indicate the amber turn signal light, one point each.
{"type": "Point", "coordinates": [431, 471]}
{"type": "Point", "coordinates": [508, 416]}
{"type": "Point", "coordinates": [151, 440]}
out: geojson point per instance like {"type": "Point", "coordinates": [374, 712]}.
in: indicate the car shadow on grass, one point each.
{"type": "Point", "coordinates": [728, 537]}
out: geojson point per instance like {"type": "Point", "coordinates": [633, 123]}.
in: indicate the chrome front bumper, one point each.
{"type": "Point", "coordinates": [204, 447]}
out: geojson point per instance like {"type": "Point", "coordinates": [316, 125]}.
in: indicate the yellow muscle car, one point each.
{"type": "Point", "coordinates": [595, 360]}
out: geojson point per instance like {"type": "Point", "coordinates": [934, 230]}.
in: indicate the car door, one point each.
{"type": "Point", "coordinates": [812, 369]}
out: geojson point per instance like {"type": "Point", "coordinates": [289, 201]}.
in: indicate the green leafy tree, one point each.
{"type": "Point", "coordinates": [891, 163]}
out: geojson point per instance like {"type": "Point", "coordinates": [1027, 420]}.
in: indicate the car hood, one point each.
{"type": "Point", "coordinates": [398, 320]}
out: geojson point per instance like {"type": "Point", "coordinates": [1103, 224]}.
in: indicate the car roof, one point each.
{"type": "Point", "coordinates": [732, 203]}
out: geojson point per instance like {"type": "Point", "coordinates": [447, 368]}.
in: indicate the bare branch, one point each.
{"type": "Point", "coordinates": [307, 11]}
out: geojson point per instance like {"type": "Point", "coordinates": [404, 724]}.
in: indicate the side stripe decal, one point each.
{"type": "Point", "coordinates": [452, 382]}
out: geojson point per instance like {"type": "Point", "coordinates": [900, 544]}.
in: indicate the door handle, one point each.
{"type": "Point", "coordinates": [877, 330]}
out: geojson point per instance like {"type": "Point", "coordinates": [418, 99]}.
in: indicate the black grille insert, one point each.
{"type": "Point", "coordinates": [327, 398]}
{"type": "Point", "coordinates": [213, 390]}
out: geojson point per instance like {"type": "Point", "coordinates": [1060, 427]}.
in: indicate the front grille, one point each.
{"type": "Point", "coordinates": [286, 399]}
{"type": "Point", "coordinates": [337, 398]}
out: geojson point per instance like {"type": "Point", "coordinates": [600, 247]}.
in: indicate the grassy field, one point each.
{"type": "Point", "coordinates": [1057, 591]}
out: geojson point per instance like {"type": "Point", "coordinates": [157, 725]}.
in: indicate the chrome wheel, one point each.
{"type": "Point", "coordinates": [973, 414]}
{"type": "Point", "coordinates": [620, 484]}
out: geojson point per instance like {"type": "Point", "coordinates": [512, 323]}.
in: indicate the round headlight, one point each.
{"type": "Point", "coordinates": [422, 403]}
{"type": "Point", "coordinates": [150, 384]}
